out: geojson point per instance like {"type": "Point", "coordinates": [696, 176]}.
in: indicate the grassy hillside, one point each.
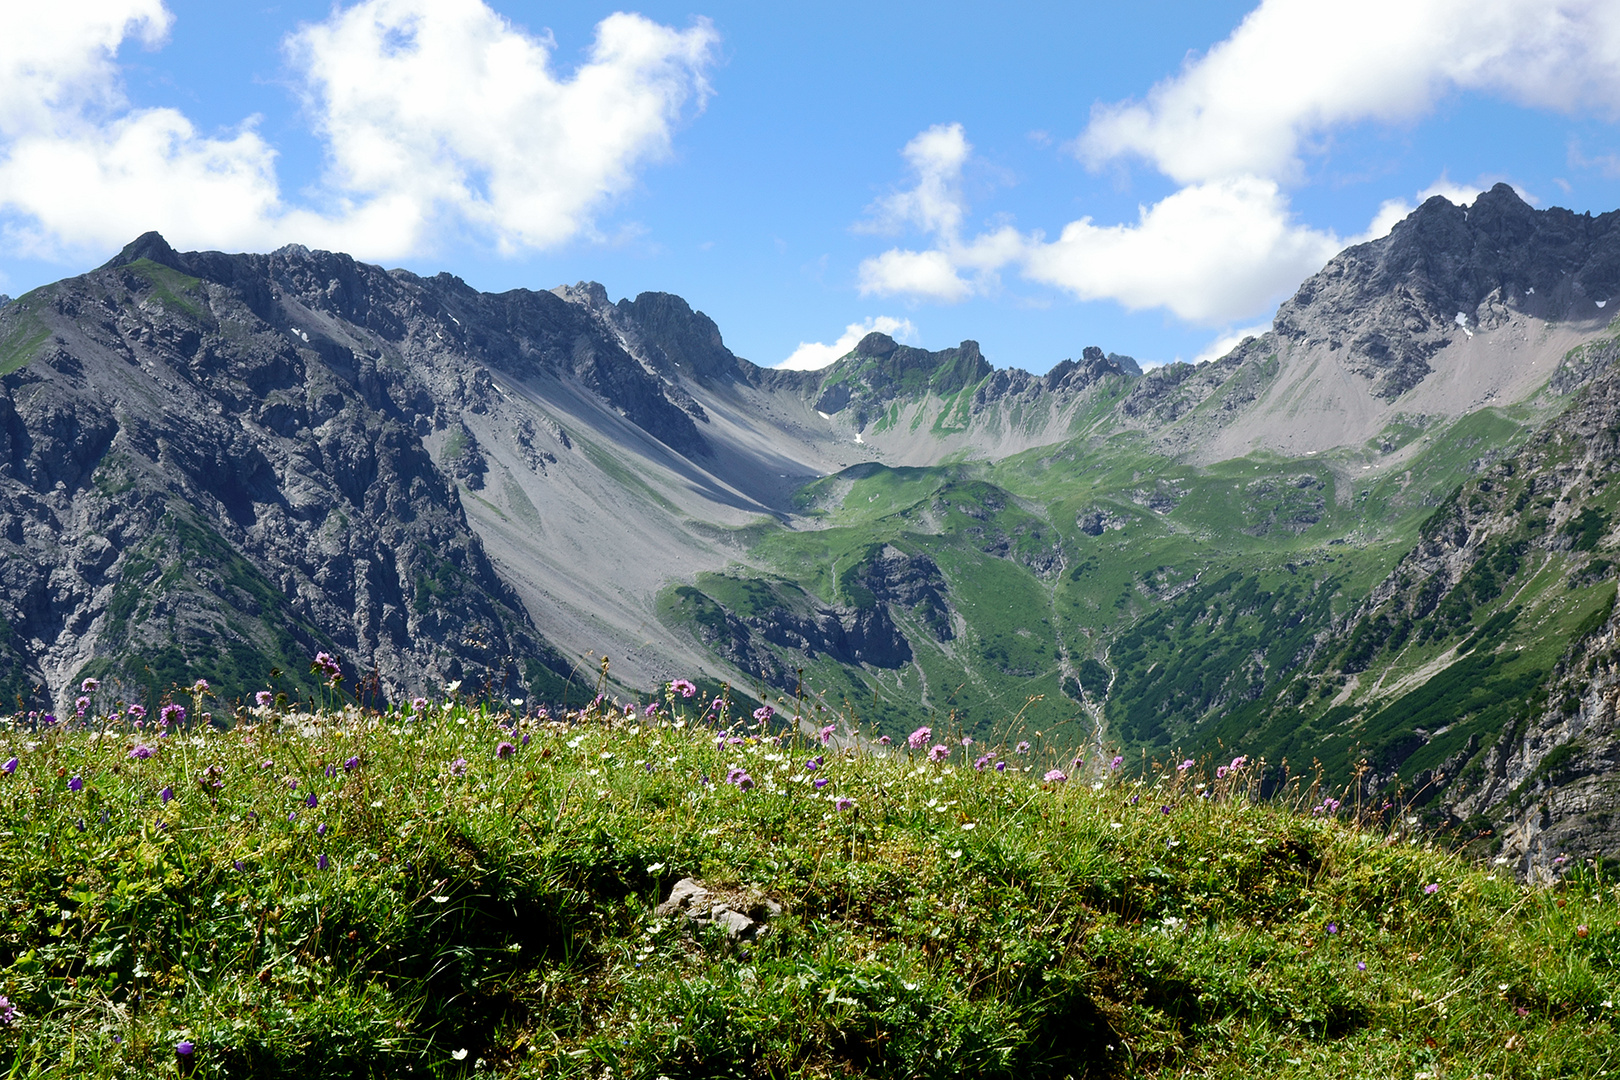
{"type": "Point", "coordinates": [1094, 586]}
{"type": "Point", "coordinates": [454, 891]}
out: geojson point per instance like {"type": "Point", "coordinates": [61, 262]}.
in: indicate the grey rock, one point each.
{"type": "Point", "coordinates": [743, 918]}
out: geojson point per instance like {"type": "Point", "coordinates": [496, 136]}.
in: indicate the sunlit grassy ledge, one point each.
{"type": "Point", "coordinates": [455, 891]}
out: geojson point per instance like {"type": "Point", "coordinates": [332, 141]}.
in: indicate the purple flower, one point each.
{"type": "Point", "coordinates": [141, 752]}
{"type": "Point", "coordinates": [320, 830]}
{"type": "Point", "coordinates": [136, 712]}
{"type": "Point", "coordinates": [740, 778]}
{"type": "Point", "coordinates": [239, 866]}
{"type": "Point", "coordinates": [9, 767]}
{"type": "Point", "coordinates": [919, 738]}
{"type": "Point", "coordinates": [321, 862]}
{"type": "Point", "coordinates": [827, 733]}
{"type": "Point", "coordinates": [884, 740]}
{"type": "Point", "coordinates": [1332, 928]}
{"type": "Point", "coordinates": [1119, 759]}
{"type": "Point", "coordinates": [1431, 889]}
{"type": "Point", "coordinates": [1238, 762]}
{"type": "Point", "coordinates": [263, 699]}
{"type": "Point", "coordinates": [8, 1011]}
{"type": "Point", "coordinates": [1001, 766]}
{"type": "Point", "coordinates": [1185, 765]}
{"type": "Point", "coordinates": [525, 739]}
{"type": "Point", "coordinates": [764, 713]}
{"type": "Point", "coordinates": [842, 803]}
{"type": "Point", "coordinates": [967, 740]}
{"type": "Point", "coordinates": [1021, 748]}
{"type": "Point", "coordinates": [292, 784]}
{"type": "Point", "coordinates": [1164, 809]}
{"type": "Point", "coordinates": [185, 1047]}
{"type": "Point", "coordinates": [292, 816]}
{"type": "Point", "coordinates": [815, 763]}
{"type": "Point", "coordinates": [80, 705]}
{"type": "Point", "coordinates": [1361, 965]}
{"type": "Point", "coordinates": [650, 710]}
{"type": "Point", "coordinates": [327, 665]}
{"type": "Point", "coordinates": [312, 802]}
{"type": "Point", "coordinates": [819, 782]}
{"type": "Point", "coordinates": [458, 766]}
{"type": "Point", "coordinates": [981, 763]}
{"type": "Point", "coordinates": [938, 752]}
{"type": "Point", "coordinates": [351, 764]}
{"type": "Point", "coordinates": [89, 686]}
{"type": "Point", "coordinates": [172, 714]}
{"type": "Point", "coordinates": [76, 784]}
{"type": "Point", "coordinates": [166, 794]}
{"type": "Point", "coordinates": [330, 770]}
{"type": "Point", "coordinates": [1055, 776]}
{"type": "Point", "coordinates": [504, 749]}
{"type": "Point", "coordinates": [200, 686]}
{"type": "Point", "coordinates": [419, 704]}
{"type": "Point", "coordinates": [683, 687]}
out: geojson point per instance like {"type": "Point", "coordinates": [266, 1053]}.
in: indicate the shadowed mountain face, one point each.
{"type": "Point", "coordinates": [215, 465]}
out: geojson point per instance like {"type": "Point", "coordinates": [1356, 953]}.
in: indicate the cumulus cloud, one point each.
{"type": "Point", "coordinates": [1232, 128]}
{"type": "Point", "coordinates": [1296, 69]}
{"type": "Point", "coordinates": [813, 355]}
{"type": "Point", "coordinates": [1226, 341]}
{"type": "Point", "coordinates": [1209, 253]}
{"type": "Point", "coordinates": [440, 119]}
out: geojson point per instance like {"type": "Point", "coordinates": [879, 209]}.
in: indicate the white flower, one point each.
{"type": "Point", "coordinates": [458, 1055]}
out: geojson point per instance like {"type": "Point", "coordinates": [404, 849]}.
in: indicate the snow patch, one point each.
{"type": "Point", "coordinates": [1462, 321]}
{"type": "Point", "coordinates": [824, 416]}
{"type": "Point", "coordinates": [1600, 303]}
{"type": "Point", "coordinates": [858, 438]}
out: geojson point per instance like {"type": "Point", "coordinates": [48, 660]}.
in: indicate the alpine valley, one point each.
{"type": "Point", "coordinates": [1379, 538]}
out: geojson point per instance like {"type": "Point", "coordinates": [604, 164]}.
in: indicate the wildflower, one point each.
{"type": "Point", "coordinates": [89, 686]}
{"type": "Point", "coordinates": [1119, 759]}
{"type": "Point", "coordinates": [884, 740]}
{"type": "Point", "coordinates": [239, 866]}
{"type": "Point", "coordinates": [1077, 762]}
{"type": "Point", "coordinates": [1238, 762]}
{"type": "Point", "coordinates": [166, 794]}
{"type": "Point", "coordinates": [979, 765]}
{"type": "Point", "coordinates": [351, 764]}
{"type": "Point", "coordinates": [1185, 765]}
{"type": "Point", "coordinates": [505, 750]}
{"type": "Point", "coordinates": [650, 710]}
{"type": "Point", "coordinates": [172, 714]}
{"type": "Point", "coordinates": [1001, 766]}
{"type": "Point", "coordinates": [140, 753]}
{"type": "Point", "coordinates": [1361, 965]}
{"type": "Point", "coordinates": [9, 767]}
{"type": "Point", "coordinates": [185, 1047]}
{"type": "Point", "coordinates": [1021, 748]}
{"type": "Point", "coordinates": [292, 783]}
{"type": "Point", "coordinates": [814, 763]}
{"type": "Point", "coordinates": [967, 740]}
{"type": "Point", "coordinates": [330, 770]}
{"type": "Point", "coordinates": [938, 752]}
{"type": "Point", "coordinates": [1055, 776]}
{"type": "Point", "coordinates": [843, 803]}
{"type": "Point", "coordinates": [263, 699]}
{"type": "Point", "coordinates": [321, 862]}
{"type": "Point", "coordinates": [764, 713]}
{"type": "Point", "coordinates": [525, 739]}
{"type": "Point", "coordinates": [1164, 809]}
{"type": "Point", "coordinates": [683, 687]}
{"type": "Point", "coordinates": [1332, 928]}
{"type": "Point", "coordinates": [136, 712]}
{"type": "Point", "coordinates": [80, 705]}
{"type": "Point", "coordinates": [8, 1011]}
{"type": "Point", "coordinates": [458, 767]}
{"type": "Point", "coordinates": [819, 782]}
{"type": "Point", "coordinates": [200, 686]}
{"type": "Point", "coordinates": [1581, 930]}
{"type": "Point", "coordinates": [1220, 772]}
{"type": "Point", "coordinates": [327, 665]}
{"type": "Point", "coordinates": [419, 705]}
{"type": "Point", "coordinates": [312, 802]}
{"type": "Point", "coordinates": [739, 778]}
{"type": "Point", "coordinates": [827, 733]}
{"type": "Point", "coordinates": [320, 830]}
{"type": "Point", "coordinates": [919, 738]}
{"type": "Point", "coordinates": [1431, 889]}
{"type": "Point", "coordinates": [76, 784]}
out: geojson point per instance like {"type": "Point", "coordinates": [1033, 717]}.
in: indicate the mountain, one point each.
{"type": "Point", "coordinates": [214, 465]}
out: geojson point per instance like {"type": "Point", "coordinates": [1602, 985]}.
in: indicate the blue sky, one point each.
{"type": "Point", "coordinates": [1151, 178]}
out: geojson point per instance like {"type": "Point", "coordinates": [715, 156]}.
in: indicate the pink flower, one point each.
{"type": "Point", "coordinates": [843, 804]}
{"type": "Point", "coordinates": [919, 738]}
{"type": "Point", "coordinates": [939, 752]}
{"type": "Point", "coordinates": [1055, 776]}
{"type": "Point", "coordinates": [1431, 889]}
{"type": "Point", "coordinates": [1220, 772]}
{"type": "Point", "coordinates": [263, 699]}
{"type": "Point", "coordinates": [827, 733]}
{"type": "Point", "coordinates": [89, 686]}
{"type": "Point", "coordinates": [1119, 759]}
{"type": "Point", "coordinates": [1185, 765]}
{"type": "Point", "coordinates": [683, 687]}
{"type": "Point", "coordinates": [764, 713]}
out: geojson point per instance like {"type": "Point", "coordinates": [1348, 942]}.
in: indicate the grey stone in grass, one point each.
{"type": "Point", "coordinates": [742, 917]}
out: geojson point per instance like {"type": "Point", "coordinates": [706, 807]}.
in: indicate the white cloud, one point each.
{"type": "Point", "coordinates": [440, 118]}
{"type": "Point", "coordinates": [935, 204]}
{"type": "Point", "coordinates": [813, 355]}
{"type": "Point", "coordinates": [1226, 342]}
{"type": "Point", "coordinates": [1209, 253]}
{"type": "Point", "coordinates": [1295, 69]}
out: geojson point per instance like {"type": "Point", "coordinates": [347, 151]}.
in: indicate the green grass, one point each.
{"type": "Point", "coordinates": [362, 894]}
